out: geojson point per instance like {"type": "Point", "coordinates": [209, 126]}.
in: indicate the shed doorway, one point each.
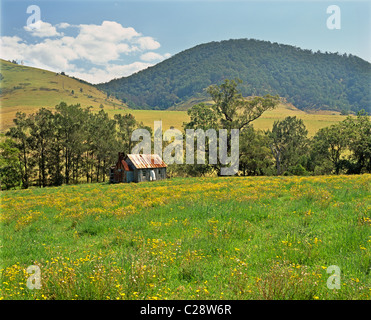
{"type": "Point", "coordinates": [129, 176]}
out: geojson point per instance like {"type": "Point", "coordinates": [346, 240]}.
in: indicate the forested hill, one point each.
{"type": "Point", "coordinates": [307, 79]}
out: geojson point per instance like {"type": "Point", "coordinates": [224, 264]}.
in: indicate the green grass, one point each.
{"type": "Point", "coordinates": [194, 238]}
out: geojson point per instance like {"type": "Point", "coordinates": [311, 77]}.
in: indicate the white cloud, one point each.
{"type": "Point", "coordinates": [42, 29]}
{"type": "Point", "coordinates": [112, 71]}
{"type": "Point", "coordinates": [148, 43]}
{"type": "Point", "coordinates": [98, 46]}
{"type": "Point", "coordinates": [154, 56]}
{"type": "Point", "coordinates": [63, 25]}
{"type": "Point", "coordinates": [12, 48]}
{"type": "Point", "coordinates": [109, 31]}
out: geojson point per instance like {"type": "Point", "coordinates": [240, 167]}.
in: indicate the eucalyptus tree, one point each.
{"type": "Point", "coordinates": [19, 132]}
{"type": "Point", "coordinates": [288, 142]}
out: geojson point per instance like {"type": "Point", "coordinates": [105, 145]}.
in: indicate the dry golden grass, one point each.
{"type": "Point", "coordinates": [313, 121]}
{"type": "Point", "coordinates": [169, 118]}
{"type": "Point", "coordinates": [28, 89]}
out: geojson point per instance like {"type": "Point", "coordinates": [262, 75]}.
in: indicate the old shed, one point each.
{"type": "Point", "coordinates": [138, 168]}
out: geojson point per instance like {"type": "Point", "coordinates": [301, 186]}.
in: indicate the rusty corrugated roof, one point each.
{"type": "Point", "coordinates": [142, 161]}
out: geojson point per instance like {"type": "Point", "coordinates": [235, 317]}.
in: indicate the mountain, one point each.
{"type": "Point", "coordinates": [27, 89]}
{"type": "Point", "coordinates": [308, 80]}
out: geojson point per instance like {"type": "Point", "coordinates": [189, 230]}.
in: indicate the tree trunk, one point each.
{"type": "Point", "coordinates": [91, 172]}
{"type": "Point", "coordinates": [39, 183]}
{"type": "Point", "coordinates": [77, 171]}
{"type": "Point", "coordinates": [87, 167]}
{"type": "Point", "coordinates": [67, 173]}
{"type": "Point", "coordinates": [276, 155]}
{"type": "Point", "coordinates": [98, 165]}
{"type": "Point", "coordinates": [104, 170]}
{"type": "Point", "coordinates": [25, 177]}
{"type": "Point", "coordinates": [43, 174]}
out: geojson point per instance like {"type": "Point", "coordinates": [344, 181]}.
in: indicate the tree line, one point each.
{"type": "Point", "coordinates": [74, 145]}
{"type": "Point", "coordinates": [286, 149]}
{"type": "Point", "coordinates": [68, 146]}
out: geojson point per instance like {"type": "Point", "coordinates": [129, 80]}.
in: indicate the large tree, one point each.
{"type": "Point", "coordinates": [103, 142]}
{"type": "Point", "coordinates": [230, 110]}
{"type": "Point", "coordinates": [41, 133]}
{"type": "Point", "coordinates": [235, 111]}
{"type": "Point", "coordinates": [126, 124]}
{"type": "Point", "coordinates": [72, 123]}
{"type": "Point", "coordinates": [20, 133]}
{"type": "Point", "coordinates": [255, 155]}
{"type": "Point", "coordinates": [359, 140]}
{"type": "Point", "coordinates": [10, 165]}
{"type": "Point", "coordinates": [288, 143]}
{"type": "Point", "coordinates": [330, 143]}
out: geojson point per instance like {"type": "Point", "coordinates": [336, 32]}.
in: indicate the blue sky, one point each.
{"type": "Point", "coordinates": [101, 40]}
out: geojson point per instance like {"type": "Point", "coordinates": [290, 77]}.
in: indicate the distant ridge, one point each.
{"type": "Point", "coordinates": [308, 80]}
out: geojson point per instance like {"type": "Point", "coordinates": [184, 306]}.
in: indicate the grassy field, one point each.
{"type": "Point", "coordinates": [194, 238]}
{"type": "Point", "coordinates": [313, 121]}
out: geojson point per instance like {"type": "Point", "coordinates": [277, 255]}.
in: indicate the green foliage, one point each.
{"type": "Point", "coordinates": [126, 125]}
{"type": "Point", "coordinates": [65, 146]}
{"type": "Point", "coordinates": [255, 155]}
{"type": "Point", "coordinates": [298, 170]}
{"type": "Point", "coordinates": [73, 144]}
{"type": "Point", "coordinates": [346, 145]}
{"type": "Point", "coordinates": [231, 111]}
{"type": "Point", "coordinates": [360, 140]}
{"type": "Point", "coordinates": [202, 117]}
{"type": "Point", "coordinates": [341, 148]}
{"type": "Point", "coordinates": [330, 143]}
{"type": "Point", "coordinates": [20, 134]}
{"type": "Point", "coordinates": [10, 174]}
{"type": "Point", "coordinates": [309, 80]}
{"type": "Point", "coordinates": [288, 142]}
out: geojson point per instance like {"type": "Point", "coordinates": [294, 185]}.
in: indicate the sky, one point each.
{"type": "Point", "coordinates": [101, 40]}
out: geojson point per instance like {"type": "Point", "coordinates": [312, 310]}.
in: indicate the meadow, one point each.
{"type": "Point", "coordinates": [190, 238]}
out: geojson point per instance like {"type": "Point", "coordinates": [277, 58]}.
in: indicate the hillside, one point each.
{"type": "Point", "coordinates": [27, 89]}
{"type": "Point", "coordinates": [308, 80]}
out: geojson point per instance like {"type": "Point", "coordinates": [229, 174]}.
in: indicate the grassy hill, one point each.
{"type": "Point", "coordinates": [27, 89]}
{"type": "Point", "coordinates": [197, 238]}
{"type": "Point", "coordinates": [308, 80]}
